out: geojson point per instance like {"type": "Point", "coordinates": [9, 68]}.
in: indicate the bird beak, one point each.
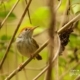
{"type": "Point", "coordinates": [35, 28]}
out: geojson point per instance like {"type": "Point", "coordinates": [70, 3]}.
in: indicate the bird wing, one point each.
{"type": "Point", "coordinates": [35, 43]}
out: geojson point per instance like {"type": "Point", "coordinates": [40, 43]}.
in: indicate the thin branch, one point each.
{"type": "Point", "coordinates": [15, 34]}
{"type": "Point", "coordinates": [28, 13]}
{"type": "Point", "coordinates": [76, 18]}
{"type": "Point", "coordinates": [26, 62]}
{"type": "Point", "coordinates": [35, 69]}
{"type": "Point", "coordinates": [55, 56]}
{"type": "Point", "coordinates": [77, 78]}
{"type": "Point", "coordinates": [65, 14]}
{"type": "Point", "coordinates": [58, 5]}
{"type": "Point", "coordinates": [9, 13]}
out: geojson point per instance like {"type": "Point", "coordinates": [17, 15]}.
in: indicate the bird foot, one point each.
{"type": "Point", "coordinates": [32, 56]}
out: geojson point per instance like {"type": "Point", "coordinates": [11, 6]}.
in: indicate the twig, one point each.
{"type": "Point", "coordinates": [67, 24]}
{"type": "Point", "coordinates": [65, 14]}
{"type": "Point", "coordinates": [28, 13]}
{"type": "Point", "coordinates": [51, 32]}
{"type": "Point", "coordinates": [9, 13]}
{"type": "Point", "coordinates": [77, 78]}
{"type": "Point", "coordinates": [56, 54]}
{"type": "Point", "coordinates": [26, 62]}
{"type": "Point", "coordinates": [58, 5]}
{"type": "Point", "coordinates": [35, 69]}
{"type": "Point", "coordinates": [15, 34]}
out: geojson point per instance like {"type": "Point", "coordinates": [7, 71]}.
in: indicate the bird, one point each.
{"type": "Point", "coordinates": [26, 44]}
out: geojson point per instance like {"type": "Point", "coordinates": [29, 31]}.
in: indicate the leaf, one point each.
{"type": "Point", "coordinates": [75, 6]}
{"type": "Point", "coordinates": [41, 16]}
{"type": "Point", "coordinates": [62, 7]}
{"type": "Point", "coordinates": [75, 1]}
{"type": "Point", "coordinates": [62, 61]}
{"type": "Point", "coordinates": [5, 37]}
{"type": "Point", "coordinates": [74, 41]}
{"type": "Point", "coordinates": [1, 54]}
{"type": "Point", "coordinates": [4, 13]}
{"type": "Point", "coordinates": [7, 4]}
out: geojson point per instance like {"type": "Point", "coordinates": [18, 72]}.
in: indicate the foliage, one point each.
{"type": "Point", "coordinates": [41, 17]}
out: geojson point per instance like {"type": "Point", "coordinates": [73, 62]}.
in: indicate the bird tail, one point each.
{"type": "Point", "coordinates": [38, 57]}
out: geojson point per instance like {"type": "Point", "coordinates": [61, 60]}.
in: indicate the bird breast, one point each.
{"type": "Point", "coordinates": [26, 46]}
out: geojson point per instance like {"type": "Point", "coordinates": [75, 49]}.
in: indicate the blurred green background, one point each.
{"type": "Point", "coordinates": [40, 16]}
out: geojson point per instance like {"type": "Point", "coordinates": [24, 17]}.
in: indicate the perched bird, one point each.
{"type": "Point", "coordinates": [26, 44]}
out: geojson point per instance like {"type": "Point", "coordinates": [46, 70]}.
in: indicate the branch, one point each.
{"type": "Point", "coordinates": [51, 33]}
{"type": "Point", "coordinates": [65, 14]}
{"type": "Point", "coordinates": [15, 34]}
{"type": "Point", "coordinates": [77, 78]}
{"type": "Point", "coordinates": [35, 69]}
{"type": "Point", "coordinates": [70, 22]}
{"type": "Point", "coordinates": [9, 13]}
{"type": "Point", "coordinates": [60, 1]}
{"type": "Point", "coordinates": [28, 13]}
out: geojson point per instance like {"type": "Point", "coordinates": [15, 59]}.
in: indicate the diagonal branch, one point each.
{"type": "Point", "coordinates": [76, 18]}
{"type": "Point", "coordinates": [29, 13]}
{"type": "Point", "coordinates": [7, 50]}
{"type": "Point", "coordinates": [9, 13]}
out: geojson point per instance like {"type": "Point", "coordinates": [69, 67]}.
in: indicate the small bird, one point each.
{"type": "Point", "coordinates": [26, 44]}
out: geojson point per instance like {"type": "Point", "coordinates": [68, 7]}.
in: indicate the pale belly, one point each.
{"type": "Point", "coordinates": [25, 48]}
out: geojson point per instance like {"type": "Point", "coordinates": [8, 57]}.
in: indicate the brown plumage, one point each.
{"type": "Point", "coordinates": [25, 43]}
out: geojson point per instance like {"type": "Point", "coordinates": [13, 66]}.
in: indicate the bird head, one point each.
{"type": "Point", "coordinates": [27, 32]}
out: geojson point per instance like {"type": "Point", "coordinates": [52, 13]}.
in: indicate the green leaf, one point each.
{"type": "Point", "coordinates": [4, 13]}
{"type": "Point", "coordinates": [1, 55]}
{"type": "Point", "coordinates": [74, 41]}
{"type": "Point", "coordinates": [75, 1]}
{"type": "Point", "coordinates": [63, 6]}
{"type": "Point", "coordinates": [76, 8]}
{"type": "Point", "coordinates": [62, 61]}
{"type": "Point", "coordinates": [75, 4]}
{"type": "Point", "coordinates": [5, 37]}
{"type": "Point", "coordinates": [41, 17]}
